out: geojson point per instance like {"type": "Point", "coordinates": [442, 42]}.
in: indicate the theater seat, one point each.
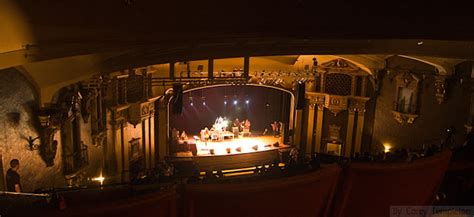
{"type": "Point", "coordinates": [156, 204]}
{"type": "Point", "coordinates": [298, 196]}
{"type": "Point", "coordinates": [369, 189]}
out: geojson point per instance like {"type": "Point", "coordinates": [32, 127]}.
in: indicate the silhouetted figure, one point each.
{"type": "Point", "coordinates": [13, 178]}
{"type": "Point", "coordinates": [466, 151]}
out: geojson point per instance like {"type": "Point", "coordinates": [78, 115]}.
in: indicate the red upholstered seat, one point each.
{"type": "Point", "coordinates": [156, 204]}
{"type": "Point", "coordinates": [369, 189]}
{"type": "Point", "coordinates": [298, 196]}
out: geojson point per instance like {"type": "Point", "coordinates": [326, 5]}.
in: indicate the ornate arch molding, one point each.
{"type": "Point", "coordinates": [168, 97]}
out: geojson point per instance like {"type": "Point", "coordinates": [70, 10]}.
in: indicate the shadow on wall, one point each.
{"type": "Point", "coordinates": [39, 167]}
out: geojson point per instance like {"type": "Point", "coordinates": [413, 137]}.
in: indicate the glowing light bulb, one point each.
{"type": "Point", "coordinates": [247, 101]}
{"type": "Point", "coordinates": [387, 147]}
{"type": "Point", "coordinates": [99, 179]}
{"type": "Point", "coordinates": [235, 102]}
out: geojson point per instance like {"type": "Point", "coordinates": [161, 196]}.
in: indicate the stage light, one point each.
{"type": "Point", "coordinates": [235, 102]}
{"type": "Point", "coordinates": [247, 101]}
{"type": "Point", "coordinates": [203, 103]}
{"type": "Point", "coordinates": [191, 104]}
{"type": "Point", "coordinates": [225, 102]}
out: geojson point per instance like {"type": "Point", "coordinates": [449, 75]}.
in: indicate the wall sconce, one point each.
{"type": "Point", "coordinates": [387, 147]}
{"type": "Point", "coordinates": [31, 145]}
{"type": "Point", "coordinates": [99, 179]}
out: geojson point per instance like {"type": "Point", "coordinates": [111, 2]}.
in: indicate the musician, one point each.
{"type": "Point", "coordinates": [247, 124]}
{"type": "Point", "coordinates": [274, 128]}
{"type": "Point", "coordinates": [206, 134]}
{"type": "Point", "coordinates": [236, 122]}
{"type": "Point", "coordinates": [184, 136]}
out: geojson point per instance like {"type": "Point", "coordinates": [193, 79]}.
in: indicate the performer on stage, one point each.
{"type": "Point", "coordinates": [247, 124]}
{"type": "Point", "coordinates": [236, 122]}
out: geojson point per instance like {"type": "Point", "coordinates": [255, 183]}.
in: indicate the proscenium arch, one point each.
{"type": "Point", "coordinates": [292, 101]}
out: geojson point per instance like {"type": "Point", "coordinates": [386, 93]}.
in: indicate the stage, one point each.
{"type": "Point", "coordinates": [233, 153]}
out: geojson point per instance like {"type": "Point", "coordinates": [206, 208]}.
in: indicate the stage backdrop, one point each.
{"type": "Point", "coordinates": [264, 106]}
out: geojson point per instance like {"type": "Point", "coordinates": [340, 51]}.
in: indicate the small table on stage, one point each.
{"type": "Point", "coordinates": [220, 136]}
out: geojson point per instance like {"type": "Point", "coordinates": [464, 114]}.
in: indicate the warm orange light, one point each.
{"type": "Point", "coordinates": [99, 179]}
{"type": "Point", "coordinates": [387, 147]}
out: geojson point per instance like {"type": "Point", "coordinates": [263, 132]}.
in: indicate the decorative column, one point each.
{"type": "Point", "coordinates": [350, 130]}
{"type": "Point", "coordinates": [151, 122]}
{"type": "Point", "coordinates": [297, 128]}
{"type": "Point", "coordinates": [119, 117]}
{"type": "Point", "coordinates": [353, 85]}
{"type": "Point", "coordinates": [316, 101]}
{"type": "Point", "coordinates": [319, 125]}
{"type": "Point", "coordinates": [360, 108]}
{"type": "Point", "coordinates": [163, 131]}
{"type": "Point", "coordinates": [147, 141]}
{"type": "Point", "coordinates": [310, 130]}
{"type": "Point", "coordinates": [363, 87]}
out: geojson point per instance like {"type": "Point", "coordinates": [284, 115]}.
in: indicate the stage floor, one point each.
{"type": "Point", "coordinates": [245, 144]}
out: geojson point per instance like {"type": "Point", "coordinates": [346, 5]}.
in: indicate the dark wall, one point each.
{"type": "Point", "coordinates": [196, 117]}
{"type": "Point", "coordinates": [433, 118]}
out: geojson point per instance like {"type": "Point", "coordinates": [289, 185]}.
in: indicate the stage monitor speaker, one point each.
{"type": "Point", "coordinates": [300, 91]}
{"type": "Point", "coordinates": [177, 98]}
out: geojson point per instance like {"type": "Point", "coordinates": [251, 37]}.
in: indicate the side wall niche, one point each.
{"type": "Point", "coordinates": [432, 118]}
{"type": "Point", "coordinates": [405, 104]}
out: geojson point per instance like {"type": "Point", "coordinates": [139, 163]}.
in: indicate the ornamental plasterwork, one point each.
{"type": "Point", "coordinates": [358, 105]}
{"type": "Point", "coordinates": [335, 103]}
{"type": "Point", "coordinates": [404, 118]}
{"type": "Point", "coordinates": [440, 88]}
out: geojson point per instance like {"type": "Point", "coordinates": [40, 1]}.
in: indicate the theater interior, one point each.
{"type": "Point", "coordinates": [239, 108]}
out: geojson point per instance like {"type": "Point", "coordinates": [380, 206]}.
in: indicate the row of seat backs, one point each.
{"type": "Point", "coordinates": [360, 190]}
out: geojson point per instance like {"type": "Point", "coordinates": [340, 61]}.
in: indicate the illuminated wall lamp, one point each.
{"type": "Point", "coordinates": [99, 179]}
{"type": "Point", "coordinates": [387, 147]}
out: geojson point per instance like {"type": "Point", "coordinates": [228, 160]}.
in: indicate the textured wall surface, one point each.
{"type": "Point", "coordinates": [17, 97]}
{"type": "Point", "coordinates": [433, 118]}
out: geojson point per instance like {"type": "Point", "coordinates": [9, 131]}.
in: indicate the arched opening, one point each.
{"type": "Point", "coordinates": [254, 112]}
